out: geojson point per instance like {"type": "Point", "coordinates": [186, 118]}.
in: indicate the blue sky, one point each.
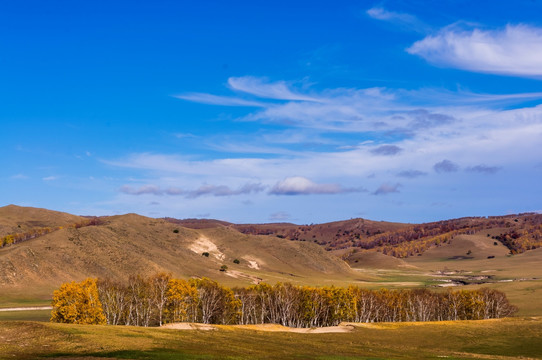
{"type": "Point", "coordinates": [247, 111]}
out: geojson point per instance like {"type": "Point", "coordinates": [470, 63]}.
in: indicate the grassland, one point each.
{"type": "Point", "coordinates": [132, 244]}
{"type": "Point", "coordinates": [490, 339]}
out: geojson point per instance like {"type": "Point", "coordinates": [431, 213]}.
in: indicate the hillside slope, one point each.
{"type": "Point", "coordinates": [18, 219]}
{"type": "Point", "coordinates": [124, 245]}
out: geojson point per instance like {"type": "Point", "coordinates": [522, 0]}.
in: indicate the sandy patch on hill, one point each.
{"type": "Point", "coordinates": [203, 244]}
{"type": "Point", "coordinates": [253, 262]}
{"type": "Point", "coordinates": [239, 275]}
{"type": "Point", "coordinates": [189, 326]}
{"type": "Point", "coordinates": [342, 328]}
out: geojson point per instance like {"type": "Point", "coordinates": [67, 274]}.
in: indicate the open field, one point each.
{"type": "Point", "coordinates": [490, 339]}
{"type": "Point", "coordinates": [130, 244]}
{"type": "Point", "coordinates": [28, 315]}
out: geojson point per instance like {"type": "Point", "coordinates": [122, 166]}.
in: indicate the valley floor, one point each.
{"type": "Point", "coordinates": [511, 338]}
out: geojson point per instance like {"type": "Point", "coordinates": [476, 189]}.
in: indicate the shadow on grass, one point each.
{"type": "Point", "coordinates": [168, 354]}
{"type": "Point", "coordinates": [160, 354]}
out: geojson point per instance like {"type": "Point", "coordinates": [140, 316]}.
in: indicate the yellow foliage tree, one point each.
{"type": "Point", "coordinates": [78, 303]}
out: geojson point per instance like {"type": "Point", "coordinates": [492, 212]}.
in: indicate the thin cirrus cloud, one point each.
{"type": "Point", "coordinates": [484, 169]}
{"type": "Point", "coordinates": [298, 185]}
{"type": "Point", "coordinates": [142, 190]}
{"type": "Point", "coordinates": [342, 110]}
{"type": "Point", "coordinates": [218, 100]}
{"type": "Point", "coordinates": [280, 216]}
{"type": "Point", "coordinates": [222, 190]}
{"type": "Point", "coordinates": [445, 166]}
{"type": "Point", "coordinates": [514, 50]}
{"type": "Point", "coordinates": [411, 174]}
{"type": "Point", "coordinates": [385, 189]}
{"type": "Point", "coordinates": [255, 87]}
{"type": "Point", "coordinates": [262, 88]}
{"type": "Point", "coordinates": [19, 177]}
{"type": "Point", "coordinates": [403, 20]}
{"type": "Point", "coordinates": [204, 190]}
{"type": "Point", "coordinates": [386, 150]}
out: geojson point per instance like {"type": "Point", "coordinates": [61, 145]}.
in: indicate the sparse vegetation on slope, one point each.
{"type": "Point", "coordinates": [130, 244]}
{"type": "Point", "coordinates": [524, 232]}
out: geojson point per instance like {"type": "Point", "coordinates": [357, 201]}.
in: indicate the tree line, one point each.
{"type": "Point", "coordinates": [161, 299]}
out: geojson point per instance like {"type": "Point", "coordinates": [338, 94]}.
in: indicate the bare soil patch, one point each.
{"type": "Point", "coordinates": [341, 328]}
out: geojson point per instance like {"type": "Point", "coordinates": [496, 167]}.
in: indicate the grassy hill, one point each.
{"type": "Point", "coordinates": [18, 219]}
{"type": "Point", "coordinates": [131, 244]}
{"type": "Point", "coordinates": [118, 246]}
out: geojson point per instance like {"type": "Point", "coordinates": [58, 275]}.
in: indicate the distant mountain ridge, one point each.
{"type": "Point", "coordinates": [520, 232]}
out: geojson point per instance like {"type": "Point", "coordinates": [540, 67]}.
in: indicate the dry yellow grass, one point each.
{"type": "Point", "coordinates": [499, 339]}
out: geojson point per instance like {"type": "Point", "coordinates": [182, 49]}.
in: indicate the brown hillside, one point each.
{"type": "Point", "coordinates": [333, 235]}
{"type": "Point", "coordinates": [131, 244]}
{"type": "Point", "coordinates": [17, 219]}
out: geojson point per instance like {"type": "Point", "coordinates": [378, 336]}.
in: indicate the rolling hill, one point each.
{"type": "Point", "coordinates": [118, 246]}
{"type": "Point", "coordinates": [340, 253]}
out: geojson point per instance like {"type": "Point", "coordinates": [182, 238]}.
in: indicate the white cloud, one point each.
{"type": "Point", "coordinates": [515, 50]}
{"type": "Point", "coordinates": [420, 128]}
{"type": "Point", "coordinates": [298, 185]}
{"type": "Point", "coordinates": [217, 100]}
{"type": "Point", "coordinates": [259, 87]}
{"type": "Point", "coordinates": [19, 177]}
{"type": "Point", "coordinates": [361, 110]}
{"type": "Point", "coordinates": [404, 20]}
{"type": "Point", "coordinates": [185, 135]}
{"type": "Point", "coordinates": [50, 178]}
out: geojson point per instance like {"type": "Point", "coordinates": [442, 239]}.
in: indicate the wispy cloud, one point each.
{"type": "Point", "coordinates": [260, 87]}
{"type": "Point", "coordinates": [403, 20]}
{"type": "Point", "coordinates": [218, 100]}
{"type": "Point", "coordinates": [222, 190]}
{"type": "Point", "coordinates": [484, 169]}
{"type": "Point", "coordinates": [19, 177]}
{"type": "Point", "coordinates": [280, 216]}
{"type": "Point", "coordinates": [203, 190]}
{"type": "Point", "coordinates": [142, 190]}
{"type": "Point", "coordinates": [514, 50]}
{"type": "Point", "coordinates": [392, 133]}
{"type": "Point", "coordinates": [385, 189]}
{"type": "Point", "coordinates": [386, 150]}
{"type": "Point", "coordinates": [411, 174]}
{"type": "Point", "coordinates": [298, 185]}
{"type": "Point", "coordinates": [50, 178]}
{"type": "Point", "coordinates": [185, 136]}
{"type": "Point", "coordinates": [445, 166]}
